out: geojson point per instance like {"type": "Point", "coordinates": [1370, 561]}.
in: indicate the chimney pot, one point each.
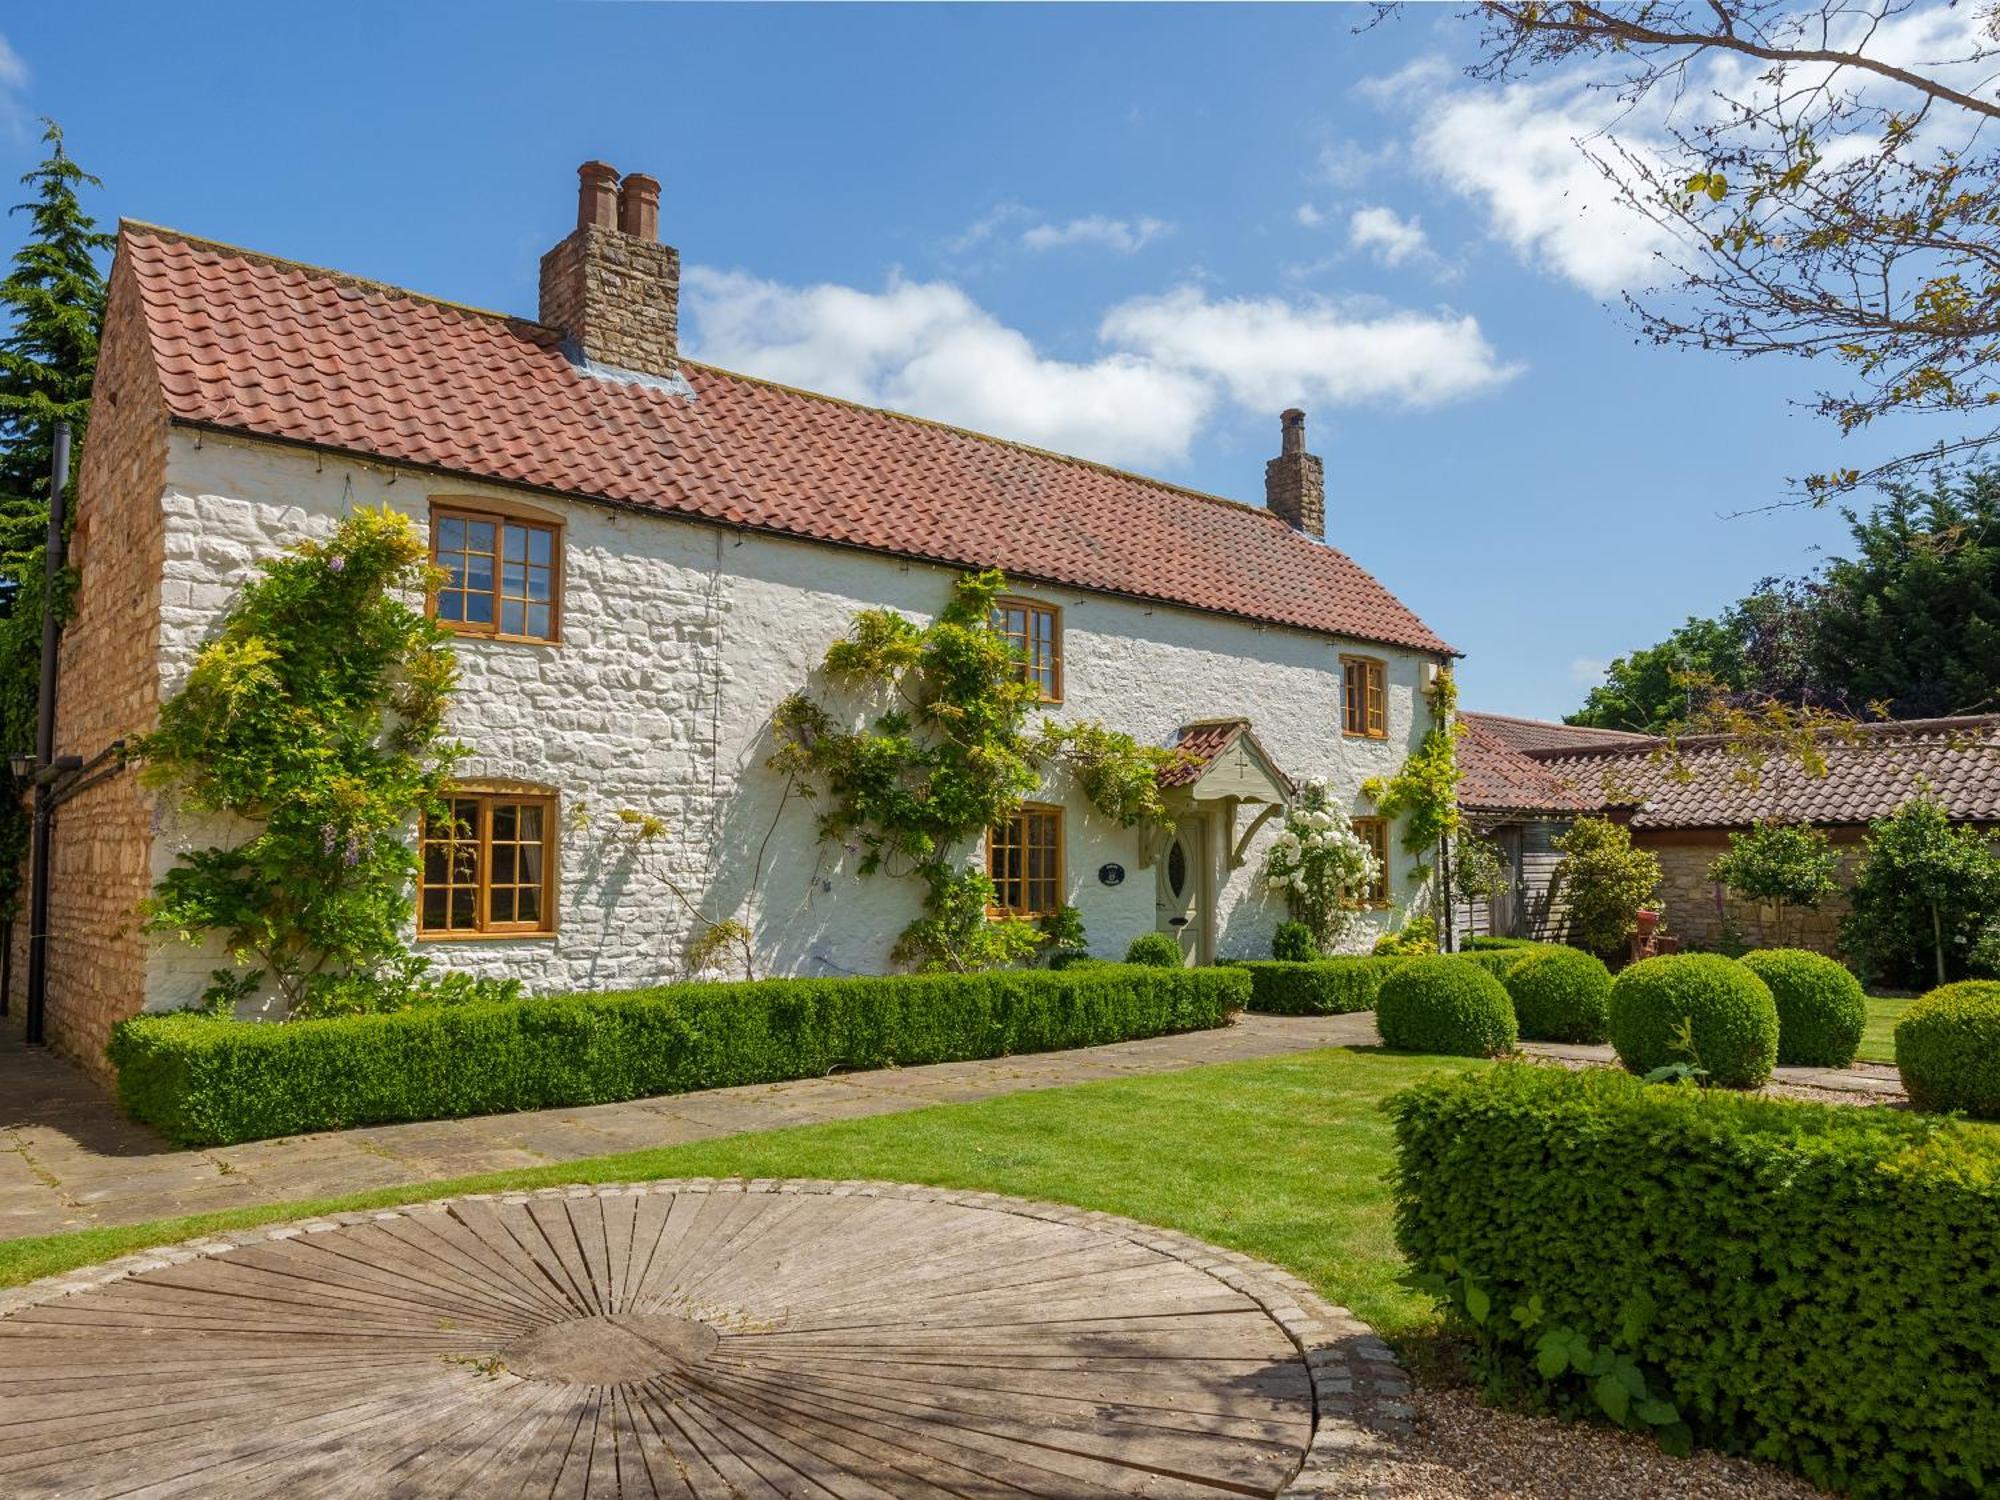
{"type": "Point", "coordinates": [597, 196]}
{"type": "Point", "coordinates": [1292, 431]}
{"type": "Point", "coordinates": [1295, 481]}
{"type": "Point", "coordinates": [639, 206]}
{"type": "Point", "coordinates": [611, 287]}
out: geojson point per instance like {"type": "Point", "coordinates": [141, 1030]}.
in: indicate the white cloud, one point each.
{"type": "Point", "coordinates": [1347, 164]}
{"type": "Point", "coordinates": [1169, 362]}
{"type": "Point", "coordinates": [1386, 235]}
{"type": "Point", "coordinates": [982, 228]}
{"type": "Point", "coordinates": [1517, 151]}
{"type": "Point", "coordinates": [1588, 671]}
{"type": "Point", "coordinates": [926, 347]}
{"type": "Point", "coordinates": [1122, 235]}
{"type": "Point", "coordinates": [1309, 216]}
{"type": "Point", "coordinates": [1270, 353]}
{"type": "Point", "coordinates": [13, 83]}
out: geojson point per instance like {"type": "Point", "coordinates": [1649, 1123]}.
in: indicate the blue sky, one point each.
{"type": "Point", "coordinates": [1131, 232]}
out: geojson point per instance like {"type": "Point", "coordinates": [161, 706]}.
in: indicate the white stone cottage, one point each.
{"type": "Point", "coordinates": [648, 555]}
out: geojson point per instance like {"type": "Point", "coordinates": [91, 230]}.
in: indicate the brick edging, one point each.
{"type": "Point", "coordinates": [1361, 1397]}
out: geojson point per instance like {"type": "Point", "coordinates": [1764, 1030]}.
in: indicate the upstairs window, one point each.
{"type": "Point", "coordinates": [1364, 704]}
{"type": "Point", "coordinates": [1034, 633]}
{"type": "Point", "coordinates": [1374, 832]}
{"type": "Point", "coordinates": [488, 866]}
{"type": "Point", "coordinates": [1024, 858]}
{"type": "Point", "coordinates": [503, 575]}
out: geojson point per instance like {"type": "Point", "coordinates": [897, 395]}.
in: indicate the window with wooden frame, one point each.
{"type": "Point", "coordinates": [1024, 859]}
{"type": "Point", "coordinates": [1374, 832]}
{"type": "Point", "coordinates": [488, 866]}
{"type": "Point", "coordinates": [503, 574]}
{"type": "Point", "coordinates": [1034, 633]}
{"type": "Point", "coordinates": [1365, 703]}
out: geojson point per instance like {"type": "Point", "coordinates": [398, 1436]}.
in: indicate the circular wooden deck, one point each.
{"type": "Point", "coordinates": [683, 1339]}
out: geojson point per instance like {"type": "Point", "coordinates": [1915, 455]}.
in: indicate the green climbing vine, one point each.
{"type": "Point", "coordinates": [317, 717]}
{"type": "Point", "coordinates": [951, 755]}
{"type": "Point", "coordinates": [1423, 793]}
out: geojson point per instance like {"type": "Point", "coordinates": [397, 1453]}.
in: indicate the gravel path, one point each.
{"type": "Point", "coordinates": [1464, 1450]}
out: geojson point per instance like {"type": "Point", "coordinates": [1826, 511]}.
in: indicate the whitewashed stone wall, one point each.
{"type": "Point", "coordinates": [679, 640]}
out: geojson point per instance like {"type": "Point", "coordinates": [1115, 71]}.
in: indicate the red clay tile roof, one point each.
{"type": "Point", "coordinates": [1206, 740]}
{"type": "Point", "coordinates": [1497, 777]}
{"type": "Point", "coordinates": [291, 352]}
{"type": "Point", "coordinates": [1540, 734]}
{"type": "Point", "coordinates": [1702, 784]}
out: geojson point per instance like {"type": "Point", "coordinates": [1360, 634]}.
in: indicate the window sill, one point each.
{"type": "Point", "coordinates": [459, 633]}
{"type": "Point", "coordinates": [1356, 734]}
{"type": "Point", "coordinates": [531, 934]}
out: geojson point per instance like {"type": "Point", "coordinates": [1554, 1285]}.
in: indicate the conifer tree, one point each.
{"type": "Point", "coordinates": [53, 296]}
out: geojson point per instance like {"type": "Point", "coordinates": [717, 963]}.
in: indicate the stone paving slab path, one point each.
{"type": "Point", "coordinates": [694, 1339]}
{"type": "Point", "coordinates": [69, 1160]}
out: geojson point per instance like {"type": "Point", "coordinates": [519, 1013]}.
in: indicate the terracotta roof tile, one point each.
{"type": "Point", "coordinates": [1702, 784]}
{"type": "Point", "coordinates": [1541, 734]}
{"type": "Point", "coordinates": [1205, 741]}
{"type": "Point", "coordinates": [1498, 777]}
{"type": "Point", "coordinates": [286, 351]}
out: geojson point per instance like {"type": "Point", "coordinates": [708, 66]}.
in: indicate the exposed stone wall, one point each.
{"type": "Point", "coordinates": [679, 640]}
{"type": "Point", "coordinates": [1295, 481]}
{"type": "Point", "coordinates": [108, 690]}
{"type": "Point", "coordinates": [617, 296]}
{"type": "Point", "coordinates": [1701, 913]}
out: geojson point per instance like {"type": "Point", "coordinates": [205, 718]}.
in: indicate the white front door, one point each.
{"type": "Point", "coordinates": [1184, 894]}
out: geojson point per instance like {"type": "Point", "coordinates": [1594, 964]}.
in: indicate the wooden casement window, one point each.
{"type": "Point", "coordinates": [1024, 859]}
{"type": "Point", "coordinates": [1374, 832]}
{"type": "Point", "coordinates": [1364, 704]}
{"type": "Point", "coordinates": [1034, 634]}
{"type": "Point", "coordinates": [488, 866]}
{"type": "Point", "coordinates": [503, 574]}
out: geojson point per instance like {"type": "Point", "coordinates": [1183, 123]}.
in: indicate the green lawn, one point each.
{"type": "Point", "coordinates": [1286, 1159]}
{"type": "Point", "coordinates": [1878, 1042]}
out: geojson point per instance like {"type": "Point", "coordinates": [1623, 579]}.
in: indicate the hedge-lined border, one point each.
{"type": "Point", "coordinates": [206, 1081]}
{"type": "Point", "coordinates": [1348, 983]}
{"type": "Point", "coordinates": [1361, 1398]}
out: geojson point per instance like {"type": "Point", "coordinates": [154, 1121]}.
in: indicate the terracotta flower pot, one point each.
{"type": "Point", "coordinates": [1649, 921]}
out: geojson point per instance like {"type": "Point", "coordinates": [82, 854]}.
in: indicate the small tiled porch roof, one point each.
{"type": "Point", "coordinates": [1205, 741]}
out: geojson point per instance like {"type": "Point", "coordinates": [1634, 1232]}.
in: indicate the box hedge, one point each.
{"type": "Point", "coordinates": [1948, 1049]}
{"type": "Point", "coordinates": [1440, 1005]}
{"type": "Point", "coordinates": [204, 1081]}
{"type": "Point", "coordinates": [1338, 986]}
{"type": "Point", "coordinates": [1806, 1283]}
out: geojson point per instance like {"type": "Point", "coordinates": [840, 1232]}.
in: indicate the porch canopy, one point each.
{"type": "Point", "coordinates": [1226, 767]}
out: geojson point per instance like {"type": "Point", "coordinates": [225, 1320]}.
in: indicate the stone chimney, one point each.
{"type": "Point", "coordinates": [1295, 481]}
{"type": "Point", "coordinates": [612, 287]}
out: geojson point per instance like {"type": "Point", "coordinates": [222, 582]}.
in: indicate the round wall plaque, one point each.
{"type": "Point", "coordinates": [1110, 874]}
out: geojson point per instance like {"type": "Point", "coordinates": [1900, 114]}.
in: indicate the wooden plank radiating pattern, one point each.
{"type": "Point", "coordinates": [660, 1343]}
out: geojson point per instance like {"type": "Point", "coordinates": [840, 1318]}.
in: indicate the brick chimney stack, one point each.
{"type": "Point", "coordinates": [1295, 481]}
{"type": "Point", "coordinates": [611, 286]}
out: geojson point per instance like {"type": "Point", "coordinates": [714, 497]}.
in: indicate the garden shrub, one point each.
{"type": "Point", "coordinates": [1821, 1008]}
{"type": "Point", "coordinates": [207, 1081]}
{"type": "Point", "coordinates": [1605, 881]}
{"type": "Point", "coordinates": [1924, 893]}
{"type": "Point", "coordinates": [1948, 1049]}
{"type": "Point", "coordinates": [1559, 995]}
{"type": "Point", "coordinates": [1294, 943]}
{"type": "Point", "coordinates": [1325, 987]}
{"type": "Point", "coordinates": [1805, 1283]}
{"type": "Point", "coordinates": [1157, 949]}
{"type": "Point", "coordinates": [1699, 1009]}
{"type": "Point", "coordinates": [1349, 982]}
{"type": "Point", "coordinates": [1445, 1005]}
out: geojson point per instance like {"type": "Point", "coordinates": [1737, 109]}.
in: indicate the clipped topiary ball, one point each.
{"type": "Point", "coordinates": [1294, 943]}
{"type": "Point", "coordinates": [1948, 1049]}
{"type": "Point", "coordinates": [1562, 995]}
{"type": "Point", "coordinates": [1156, 949]}
{"type": "Point", "coordinates": [1697, 1008]}
{"type": "Point", "coordinates": [1821, 1009]}
{"type": "Point", "coordinates": [1445, 1005]}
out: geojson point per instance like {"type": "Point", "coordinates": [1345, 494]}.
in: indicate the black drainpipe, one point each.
{"type": "Point", "coordinates": [45, 747]}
